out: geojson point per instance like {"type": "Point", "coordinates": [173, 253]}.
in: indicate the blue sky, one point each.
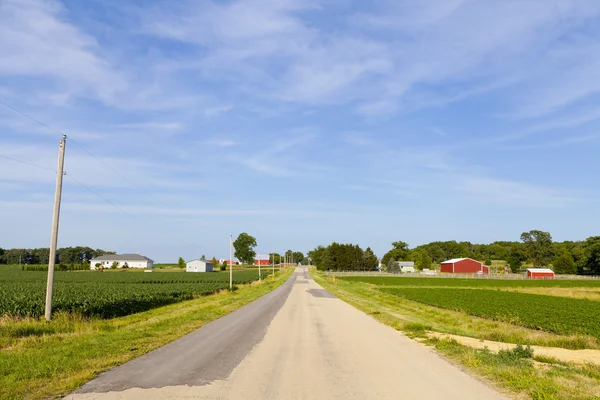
{"type": "Point", "coordinates": [299, 121]}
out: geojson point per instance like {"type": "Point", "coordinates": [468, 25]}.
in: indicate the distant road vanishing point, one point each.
{"type": "Point", "coordinates": [297, 342]}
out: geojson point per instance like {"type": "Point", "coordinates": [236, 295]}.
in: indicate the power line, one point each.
{"type": "Point", "coordinates": [31, 118]}
{"type": "Point", "coordinates": [99, 160]}
{"type": "Point", "coordinates": [101, 197]}
{"type": "Point", "coordinates": [25, 162]}
{"type": "Point", "coordinates": [119, 208]}
{"type": "Point", "coordinates": [84, 149]}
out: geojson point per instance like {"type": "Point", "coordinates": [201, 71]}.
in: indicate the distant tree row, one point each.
{"type": "Point", "coordinates": [343, 257]}
{"type": "Point", "coordinates": [535, 248]}
{"type": "Point", "coordinates": [65, 255]}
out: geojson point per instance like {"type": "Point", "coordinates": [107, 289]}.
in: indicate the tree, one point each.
{"type": "Point", "coordinates": [370, 260]}
{"type": "Point", "coordinates": [592, 255]}
{"type": "Point", "coordinates": [181, 263]}
{"type": "Point", "coordinates": [399, 251]}
{"type": "Point", "coordinates": [244, 248]}
{"type": "Point", "coordinates": [487, 262]}
{"type": "Point", "coordinates": [538, 245]}
{"type": "Point", "coordinates": [125, 266]}
{"type": "Point", "coordinates": [423, 261]}
{"type": "Point", "coordinates": [114, 265]}
{"type": "Point", "coordinates": [515, 258]}
{"type": "Point", "coordinates": [298, 256]}
{"type": "Point", "coordinates": [214, 262]}
{"type": "Point", "coordinates": [564, 264]}
{"type": "Point", "coordinates": [99, 267]}
{"type": "Point", "coordinates": [392, 266]}
{"type": "Point", "coordinates": [203, 257]}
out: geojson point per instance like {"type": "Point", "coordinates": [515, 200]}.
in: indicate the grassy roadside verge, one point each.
{"type": "Point", "coordinates": [518, 373]}
{"type": "Point", "coordinates": [45, 360]}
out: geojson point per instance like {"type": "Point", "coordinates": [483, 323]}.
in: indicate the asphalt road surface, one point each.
{"type": "Point", "coordinates": [298, 342]}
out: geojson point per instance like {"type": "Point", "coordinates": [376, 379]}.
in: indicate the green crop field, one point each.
{"type": "Point", "coordinates": [475, 283]}
{"type": "Point", "coordinates": [107, 294]}
{"type": "Point", "coordinates": [560, 315]}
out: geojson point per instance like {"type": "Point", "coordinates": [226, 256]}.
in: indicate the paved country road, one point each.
{"type": "Point", "coordinates": [298, 342]}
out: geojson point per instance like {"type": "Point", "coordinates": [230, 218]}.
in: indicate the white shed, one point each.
{"type": "Point", "coordinates": [198, 266]}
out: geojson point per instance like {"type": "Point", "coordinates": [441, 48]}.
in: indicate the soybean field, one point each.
{"type": "Point", "coordinates": [560, 315]}
{"type": "Point", "coordinates": [107, 294]}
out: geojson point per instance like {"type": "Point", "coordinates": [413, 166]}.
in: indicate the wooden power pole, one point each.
{"type": "Point", "coordinates": [230, 264]}
{"type": "Point", "coordinates": [54, 237]}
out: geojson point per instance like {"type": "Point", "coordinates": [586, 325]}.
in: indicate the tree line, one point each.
{"type": "Point", "coordinates": [65, 255]}
{"type": "Point", "coordinates": [343, 257]}
{"type": "Point", "coordinates": [534, 248]}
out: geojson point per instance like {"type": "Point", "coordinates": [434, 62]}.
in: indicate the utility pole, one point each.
{"type": "Point", "coordinates": [273, 265]}
{"type": "Point", "coordinates": [54, 237]}
{"type": "Point", "coordinates": [258, 256]}
{"type": "Point", "coordinates": [230, 264]}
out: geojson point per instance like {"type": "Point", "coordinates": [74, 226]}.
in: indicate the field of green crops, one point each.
{"type": "Point", "coordinates": [560, 315]}
{"type": "Point", "coordinates": [107, 294]}
{"type": "Point", "coordinates": [474, 283]}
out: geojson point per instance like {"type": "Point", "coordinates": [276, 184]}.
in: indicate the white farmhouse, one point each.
{"type": "Point", "coordinates": [132, 261]}
{"type": "Point", "coordinates": [198, 266]}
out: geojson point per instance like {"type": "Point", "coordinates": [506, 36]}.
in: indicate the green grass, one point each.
{"type": "Point", "coordinates": [474, 283]}
{"type": "Point", "coordinates": [554, 314]}
{"type": "Point", "coordinates": [515, 371]}
{"type": "Point", "coordinates": [40, 359]}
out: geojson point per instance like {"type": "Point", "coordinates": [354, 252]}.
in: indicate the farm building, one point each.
{"type": "Point", "coordinates": [263, 260]}
{"type": "Point", "coordinates": [226, 261]}
{"type": "Point", "coordinates": [540, 273]}
{"type": "Point", "coordinates": [122, 260]}
{"type": "Point", "coordinates": [464, 266]}
{"type": "Point", "coordinates": [199, 266]}
{"type": "Point", "coordinates": [406, 266]}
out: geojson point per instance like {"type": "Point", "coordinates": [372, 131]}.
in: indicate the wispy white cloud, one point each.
{"type": "Point", "coordinates": [438, 131]}
{"type": "Point", "coordinates": [514, 193]}
{"type": "Point", "coordinates": [37, 40]}
{"type": "Point", "coordinates": [162, 126]}
{"type": "Point", "coordinates": [221, 142]}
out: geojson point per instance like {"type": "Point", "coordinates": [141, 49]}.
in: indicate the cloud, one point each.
{"type": "Point", "coordinates": [222, 142]}
{"type": "Point", "coordinates": [513, 193]}
{"type": "Point", "coordinates": [37, 40]}
{"type": "Point", "coordinates": [438, 131]}
{"type": "Point", "coordinates": [161, 126]}
{"type": "Point", "coordinates": [217, 110]}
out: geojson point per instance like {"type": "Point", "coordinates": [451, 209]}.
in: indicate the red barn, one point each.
{"type": "Point", "coordinates": [262, 262]}
{"type": "Point", "coordinates": [540, 273]}
{"type": "Point", "coordinates": [464, 266]}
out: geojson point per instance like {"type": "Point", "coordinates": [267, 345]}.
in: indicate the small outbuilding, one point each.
{"type": "Point", "coordinates": [464, 266]}
{"type": "Point", "coordinates": [540, 273]}
{"type": "Point", "coordinates": [406, 266]}
{"type": "Point", "coordinates": [198, 266]}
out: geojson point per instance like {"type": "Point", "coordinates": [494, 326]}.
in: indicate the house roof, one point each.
{"type": "Point", "coordinates": [454, 260]}
{"type": "Point", "coordinates": [547, 270]}
{"type": "Point", "coordinates": [122, 257]}
{"type": "Point", "coordinates": [204, 261]}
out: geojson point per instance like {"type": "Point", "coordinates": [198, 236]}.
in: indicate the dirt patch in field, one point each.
{"type": "Point", "coordinates": [566, 355]}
